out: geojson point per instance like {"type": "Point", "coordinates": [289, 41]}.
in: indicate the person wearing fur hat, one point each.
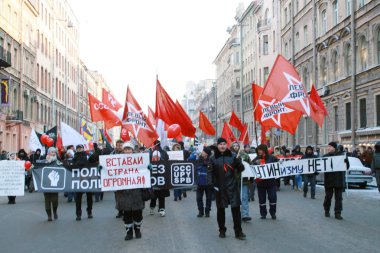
{"type": "Point", "coordinates": [334, 184]}
{"type": "Point", "coordinates": [225, 169]}
{"type": "Point", "coordinates": [132, 204]}
{"type": "Point", "coordinates": [309, 154]}
{"type": "Point", "coordinates": [266, 186]}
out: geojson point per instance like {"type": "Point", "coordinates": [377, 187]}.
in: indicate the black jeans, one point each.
{"type": "Point", "coordinates": [236, 216]}
{"type": "Point", "coordinates": [161, 202]}
{"type": "Point", "coordinates": [133, 216]}
{"type": "Point", "coordinates": [338, 199]}
{"type": "Point", "coordinates": [200, 191]}
{"type": "Point", "coordinates": [78, 202]}
{"type": "Point", "coordinates": [272, 197]}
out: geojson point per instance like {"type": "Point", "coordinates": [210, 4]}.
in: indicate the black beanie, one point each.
{"type": "Point", "coordinates": [263, 147]}
{"type": "Point", "coordinates": [207, 150]}
{"type": "Point", "coordinates": [333, 144]}
{"type": "Point", "coordinates": [220, 140]}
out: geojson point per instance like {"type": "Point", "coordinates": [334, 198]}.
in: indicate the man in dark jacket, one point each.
{"type": "Point", "coordinates": [334, 183]}
{"type": "Point", "coordinates": [204, 184]}
{"type": "Point", "coordinates": [225, 170]}
{"type": "Point", "coordinates": [375, 164]}
{"type": "Point", "coordinates": [265, 186]}
{"type": "Point", "coordinates": [309, 154]}
{"type": "Point", "coordinates": [80, 160]}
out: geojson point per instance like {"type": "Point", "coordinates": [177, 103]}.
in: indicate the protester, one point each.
{"type": "Point", "coordinates": [375, 165]}
{"type": "Point", "coordinates": [118, 150]}
{"type": "Point", "coordinates": [69, 155]}
{"type": "Point", "coordinates": [158, 154]}
{"type": "Point", "coordinates": [309, 154]}
{"type": "Point", "coordinates": [4, 155]}
{"type": "Point", "coordinates": [177, 192]}
{"type": "Point", "coordinates": [297, 179]}
{"type": "Point", "coordinates": [12, 157]}
{"type": "Point", "coordinates": [367, 157]}
{"type": "Point", "coordinates": [94, 159]}
{"type": "Point", "coordinates": [334, 184]}
{"type": "Point", "coordinates": [252, 183]}
{"type": "Point", "coordinates": [287, 178]}
{"type": "Point", "coordinates": [51, 198]}
{"type": "Point", "coordinates": [266, 186]}
{"type": "Point", "coordinates": [224, 169]}
{"type": "Point", "coordinates": [132, 204]}
{"type": "Point", "coordinates": [204, 183]}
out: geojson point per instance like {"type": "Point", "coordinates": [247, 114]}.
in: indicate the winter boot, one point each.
{"type": "Point", "coordinates": [138, 229]}
{"type": "Point", "coordinates": [89, 214]}
{"type": "Point", "coordinates": [48, 212]}
{"type": "Point", "coordinates": [129, 229]}
{"type": "Point", "coordinates": [201, 213]}
{"type": "Point", "coordinates": [151, 212]}
{"type": "Point", "coordinates": [240, 235]}
{"type": "Point", "coordinates": [162, 212]}
{"type": "Point", "coordinates": [55, 213]}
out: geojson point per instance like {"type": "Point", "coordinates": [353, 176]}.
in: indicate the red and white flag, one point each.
{"type": "Point", "coordinates": [272, 113]}
{"type": "Point", "coordinates": [110, 101]}
{"type": "Point", "coordinates": [136, 122]}
{"type": "Point", "coordinates": [101, 112]}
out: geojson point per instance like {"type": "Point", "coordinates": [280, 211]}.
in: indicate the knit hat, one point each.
{"type": "Point", "coordinates": [79, 146]}
{"type": "Point", "coordinates": [333, 144]}
{"type": "Point", "coordinates": [51, 149]}
{"type": "Point", "coordinates": [128, 144]}
{"type": "Point", "coordinates": [207, 150]}
{"type": "Point", "coordinates": [262, 147]}
{"type": "Point", "coordinates": [220, 140]}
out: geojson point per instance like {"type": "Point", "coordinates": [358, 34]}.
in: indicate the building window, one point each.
{"type": "Point", "coordinates": [363, 54]}
{"type": "Point", "coordinates": [266, 17]}
{"type": "Point", "coordinates": [286, 16]}
{"type": "Point", "coordinates": [237, 82]}
{"type": "Point", "coordinates": [305, 35]}
{"type": "Point", "coordinates": [265, 44]}
{"type": "Point", "coordinates": [323, 71]}
{"type": "Point", "coordinates": [348, 59]}
{"type": "Point", "coordinates": [361, 3]}
{"type": "Point", "coordinates": [363, 113]}
{"type": "Point", "coordinates": [237, 105]}
{"type": "Point", "coordinates": [297, 6]}
{"type": "Point", "coordinates": [378, 45]}
{"type": "Point", "coordinates": [286, 50]}
{"type": "Point", "coordinates": [297, 43]}
{"type": "Point", "coordinates": [335, 65]}
{"type": "Point", "coordinates": [348, 115]}
{"type": "Point", "coordinates": [323, 22]}
{"type": "Point", "coordinates": [305, 76]}
{"type": "Point", "coordinates": [335, 12]}
{"type": "Point", "coordinates": [266, 73]}
{"type": "Point", "coordinates": [15, 58]}
{"type": "Point", "coordinates": [377, 103]}
{"type": "Point", "coordinates": [348, 7]}
{"type": "Point", "coordinates": [336, 119]}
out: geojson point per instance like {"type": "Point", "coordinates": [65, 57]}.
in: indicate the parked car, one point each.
{"type": "Point", "coordinates": [357, 174]}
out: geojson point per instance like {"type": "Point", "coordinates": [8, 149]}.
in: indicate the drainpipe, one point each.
{"type": "Point", "coordinates": [353, 76]}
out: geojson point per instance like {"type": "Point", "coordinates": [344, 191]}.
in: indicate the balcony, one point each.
{"type": "Point", "coordinates": [5, 58]}
{"type": "Point", "coordinates": [263, 25]}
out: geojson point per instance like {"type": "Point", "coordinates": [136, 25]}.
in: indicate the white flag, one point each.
{"type": "Point", "coordinates": [34, 142]}
{"type": "Point", "coordinates": [71, 137]}
{"type": "Point", "coordinates": [160, 129]}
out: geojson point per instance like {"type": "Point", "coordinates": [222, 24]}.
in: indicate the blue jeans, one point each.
{"type": "Point", "coordinates": [177, 193]}
{"type": "Point", "coordinates": [298, 179]}
{"type": "Point", "coordinates": [307, 179]}
{"type": "Point", "coordinates": [244, 202]}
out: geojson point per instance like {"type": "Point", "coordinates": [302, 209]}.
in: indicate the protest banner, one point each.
{"type": "Point", "coordinates": [125, 171]}
{"type": "Point", "coordinates": [57, 177]}
{"type": "Point", "coordinates": [173, 174]}
{"type": "Point", "coordinates": [302, 166]}
{"type": "Point", "coordinates": [175, 155]}
{"type": "Point", "coordinates": [12, 178]}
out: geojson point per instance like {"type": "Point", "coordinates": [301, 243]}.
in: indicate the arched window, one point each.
{"type": "Point", "coordinates": [323, 69]}
{"type": "Point", "coordinates": [348, 59]}
{"type": "Point", "coordinates": [363, 54]}
{"type": "Point", "coordinates": [335, 12]}
{"type": "Point", "coordinates": [266, 17]}
{"type": "Point", "coordinates": [335, 66]}
{"type": "Point", "coordinates": [323, 22]}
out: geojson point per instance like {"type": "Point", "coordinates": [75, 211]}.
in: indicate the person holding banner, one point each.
{"type": "Point", "coordinates": [118, 150]}
{"type": "Point", "coordinates": [12, 199]}
{"type": "Point", "coordinates": [309, 154]}
{"type": "Point", "coordinates": [131, 203]}
{"type": "Point", "coordinates": [334, 184]}
{"type": "Point", "coordinates": [266, 186]}
{"type": "Point", "coordinates": [51, 198]}
{"type": "Point", "coordinates": [225, 169]}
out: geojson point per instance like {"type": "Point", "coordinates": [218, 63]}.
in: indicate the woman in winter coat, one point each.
{"type": "Point", "coordinates": [132, 204]}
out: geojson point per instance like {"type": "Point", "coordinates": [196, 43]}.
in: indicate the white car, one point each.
{"type": "Point", "coordinates": [357, 173]}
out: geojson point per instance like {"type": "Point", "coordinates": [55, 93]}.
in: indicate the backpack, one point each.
{"type": "Point", "coordinates": [376, 161]}
{"type": "Point", "coordinates": [202, 175]}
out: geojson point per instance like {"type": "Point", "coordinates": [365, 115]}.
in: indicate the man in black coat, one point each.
{"type": "Point", "coordinates": [225, 170]}
{"type": "Point", "coordinates": [266, 186]}
{"type": "Point", "coordinates": [309, 154]}
{"type": "Point", "coordinates": [334, 183]}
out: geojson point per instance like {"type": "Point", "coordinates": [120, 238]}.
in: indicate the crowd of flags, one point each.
{"type": "Point", "coordinates": [279, 104]}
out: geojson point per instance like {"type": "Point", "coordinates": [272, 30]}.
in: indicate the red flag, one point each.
{"type": "Point", "coordinates": [172, 113]}
{"type": "Point", "coordinates": [228, 134]}
{"type": "Point", "coordinates": [235, 122]}
{"type": "Point", "coordinates": [101, 112]}
{"type": "Point", "coordinates": [110, 101]}
{"type": "Point", "coordinates": [59, 145]}
{"type": "Point", "coordinates": [285, 85]}
{"type": "Point", "coordinates": [124, 136]}
{"type": "Point", "coordinates": [136, 122]}
{"type": "Point", "coordinates": [151, 117]}
{"type": "Point", "coordinates": [264, 130]}
{"type": "Point", "coordinates": [318, 107]}
{"type": "Point", "coordinates": [205, 125]}
{"type": "Point", "coordinates": [272, 113]}
{"type": "Point", "coordinates": [244, 136]}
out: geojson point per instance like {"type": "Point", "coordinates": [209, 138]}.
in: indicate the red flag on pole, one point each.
{"type": "Point", "coordinates": [205, 124]}
{"type": "Point", "coordinates": [101, 112]}
{"type": "Point", "coordinates": [235, 122]}
{"type": "Point", "coordinates": [59, 145]}
{"type": "Point", "coordinates": [185, 122]}
{"type": "Point", "coordinates": [228, 134]}
{"type": "Point", "coordinates": [110, 101]}
{"type": "Point", "coordinates": [136, 122]}
{"type": "Point", "coordinates": [317, 100]}
{"type": "Point", "coordinates": [272, 113]}
{"type": "Point", "coordinates": [151, 117]}
{"type": "Point", "coordinates": [264, 130]}
{"type": "Point", "coordinates": [124, 136]}
{"type": "Point", "coordinates": [244, 136]}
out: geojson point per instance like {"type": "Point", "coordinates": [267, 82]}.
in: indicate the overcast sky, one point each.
{"type": "Point", "coordinates": [129, 42]}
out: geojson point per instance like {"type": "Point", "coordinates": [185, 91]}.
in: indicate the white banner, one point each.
{"type": "Point", "coordinates": [71, 137]}
{"type": "Point", "coordinates": [175, 155]}
{"type": "Point", "coordinates": [34, 142]}
{"type": "Point", "coordinates": [295, 167]}
{"type": "Point", "coordinates": [125, 171]}
{"type": "Point", "coordinates": [12, 178]}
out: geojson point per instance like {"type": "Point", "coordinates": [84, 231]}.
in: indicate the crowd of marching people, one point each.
{"type": "Point", "coordinates": [218, 171]}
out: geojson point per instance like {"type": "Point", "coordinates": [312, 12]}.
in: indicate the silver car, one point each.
{"type": "Point", "coordinates": [357, 174]}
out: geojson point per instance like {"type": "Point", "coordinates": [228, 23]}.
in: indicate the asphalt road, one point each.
{"type": "Point", "coordinates": [300, 227]}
